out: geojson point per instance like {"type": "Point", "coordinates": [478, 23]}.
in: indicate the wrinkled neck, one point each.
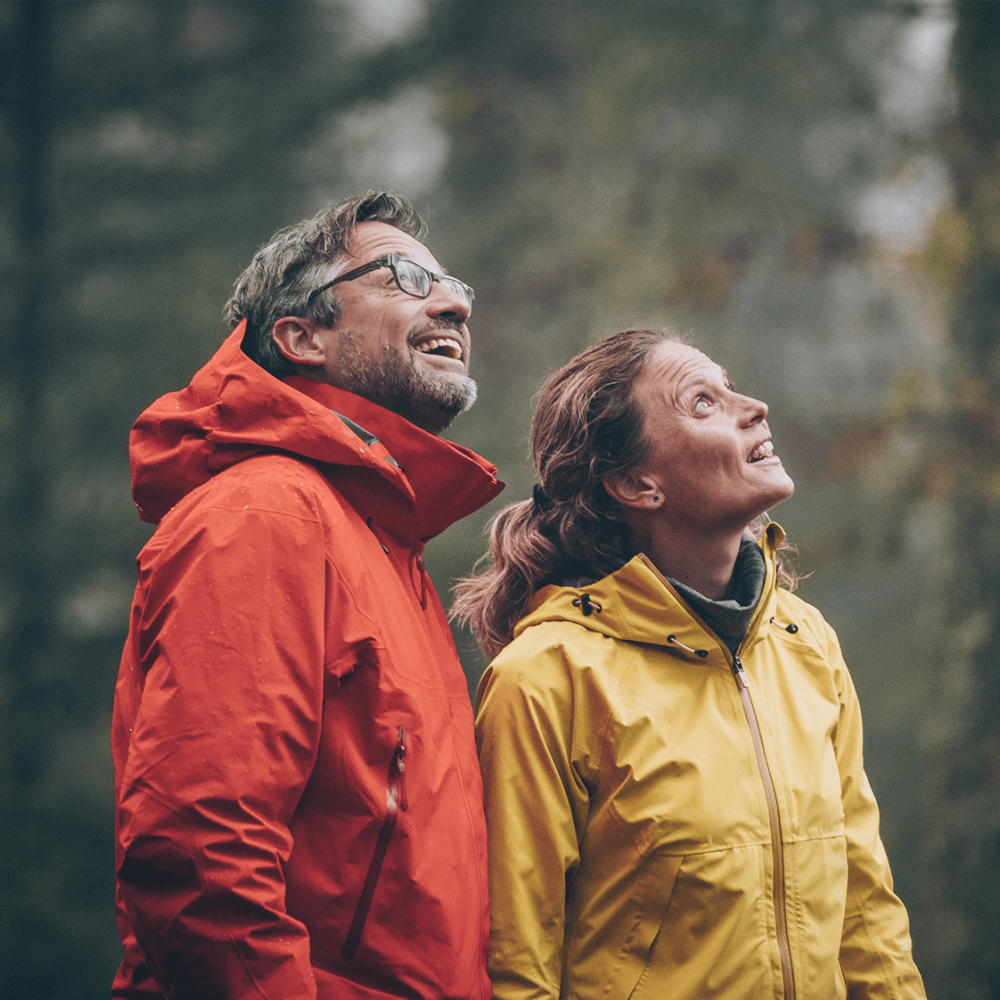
{"type": "Point", "coordinates": [705, 563]}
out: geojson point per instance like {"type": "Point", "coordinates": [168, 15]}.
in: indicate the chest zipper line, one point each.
{"type": "Point", "coordinates": [395, 799]}
{"type": "Point", "coordinates": [777, 844]}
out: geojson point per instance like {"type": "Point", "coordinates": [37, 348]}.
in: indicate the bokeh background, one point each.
{"type": "Point", "coordinates": [809, 190]}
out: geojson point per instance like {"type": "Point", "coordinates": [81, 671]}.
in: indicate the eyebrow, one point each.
{"type": "Point", "coordinates": [698, 380]}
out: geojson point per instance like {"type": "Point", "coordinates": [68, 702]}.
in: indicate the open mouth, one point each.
{"type": "Point", "coordinates": [442, 347]}
{"type": "Point", "coordinates": [762, 451]}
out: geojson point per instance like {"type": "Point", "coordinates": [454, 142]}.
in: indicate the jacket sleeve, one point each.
{"type": "Point", "coordinates": [875, 951]}
{"type": "Point", "coordinates": [228, 637]}
{"type": "Point", "coordinates": [535, 806]}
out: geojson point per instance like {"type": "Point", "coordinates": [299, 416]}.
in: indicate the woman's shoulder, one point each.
{"type": "Point", "coordinates": [803, 622]}
{"type": "Point", "coordinates": [554, 677]}
{"type": "Point", "coordinates": [550, 646]}
{"type": "Point", "coordinates": [556, 657]}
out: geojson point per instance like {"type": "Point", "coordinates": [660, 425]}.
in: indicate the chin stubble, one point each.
{"type": "Point", "coordinates": [429, 399]}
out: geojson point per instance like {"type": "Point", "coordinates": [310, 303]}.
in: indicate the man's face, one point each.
{"type": "Point", "coordinates": [712, 459]}
{"type": "Point", "coordinates": [407, 354]}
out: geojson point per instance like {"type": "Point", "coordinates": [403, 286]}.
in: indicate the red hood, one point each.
{"type": "Point", "coordinates": [414, 483]}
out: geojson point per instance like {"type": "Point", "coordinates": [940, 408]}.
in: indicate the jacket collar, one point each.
{"type": "Point", "coordinates": [638, 604]}
{"type": "Point", "coordinates": [435, 482]}
{"type": "Point", "coordinates": [413, 483]}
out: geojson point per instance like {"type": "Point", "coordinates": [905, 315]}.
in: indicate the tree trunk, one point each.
{"type": "Point", "coordinates": [962, 912]}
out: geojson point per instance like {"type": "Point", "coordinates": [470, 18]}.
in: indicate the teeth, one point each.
{"type": "Point", "coordinates": [451, 347]}
{"type": "Point", "coordinates": [765, 450]}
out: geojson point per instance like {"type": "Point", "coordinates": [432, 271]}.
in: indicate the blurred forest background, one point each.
{"type": "Point", "coordinates": [809, 190]}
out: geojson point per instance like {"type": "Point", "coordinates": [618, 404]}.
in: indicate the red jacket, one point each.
{"type": "Point", "coordinates": [299, 807]}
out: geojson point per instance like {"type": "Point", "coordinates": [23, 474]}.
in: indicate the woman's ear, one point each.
{"type": "Point", "coordinates": [635, 490]}
{"type": "Point", "coordinates": [297, 339]}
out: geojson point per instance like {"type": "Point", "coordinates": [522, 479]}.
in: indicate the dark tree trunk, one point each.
{"type": "Point", "coordinates": [963, 907]}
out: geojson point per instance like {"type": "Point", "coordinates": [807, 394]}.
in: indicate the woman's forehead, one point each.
{"type": "Point", "coordinates": [678, 364]}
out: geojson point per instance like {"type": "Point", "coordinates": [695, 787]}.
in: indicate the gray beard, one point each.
{"type": "Point", "coordinates": [431, 400]}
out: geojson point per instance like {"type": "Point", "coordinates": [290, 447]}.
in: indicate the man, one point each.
{"type": "Point", "coordinates": [299, 808]}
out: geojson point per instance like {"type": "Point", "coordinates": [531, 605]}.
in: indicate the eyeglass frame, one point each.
{"type": "Point", "coordinates": [390, 260]}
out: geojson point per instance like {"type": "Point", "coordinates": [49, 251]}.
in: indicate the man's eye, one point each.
{"type": "Point", "coordinates": [701, 404]}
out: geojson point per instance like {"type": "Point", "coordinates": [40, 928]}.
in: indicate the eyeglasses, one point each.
{"type": "Point", "coordinates": [410, 277]}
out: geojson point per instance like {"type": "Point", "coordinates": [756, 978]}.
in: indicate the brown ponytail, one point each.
{"type": "Point", "coordinates": [587, 426]}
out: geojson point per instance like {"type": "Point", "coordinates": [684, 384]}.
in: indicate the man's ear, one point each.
{"type": "Point", "coordinates": [635, 490]}
{"type": "Point", "coordinates": [297, 339]}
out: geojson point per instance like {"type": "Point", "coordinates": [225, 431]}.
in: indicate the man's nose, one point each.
{"type": "Point", "coordinates": [445, 300]}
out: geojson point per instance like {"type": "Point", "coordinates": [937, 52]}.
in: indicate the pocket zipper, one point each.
{"type": "Point", "coordinates": [395, 799]}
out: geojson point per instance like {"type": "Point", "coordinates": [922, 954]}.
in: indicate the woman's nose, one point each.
{"type": "Point", "coordinates": [756, 410]}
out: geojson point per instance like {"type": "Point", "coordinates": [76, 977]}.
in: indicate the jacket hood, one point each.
{"type": "Point", "coordinates": [638, 604]}
{"type": "Point", "coordinates": [415, 483]}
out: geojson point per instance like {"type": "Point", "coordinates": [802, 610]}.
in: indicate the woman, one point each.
{"type": "Point", "coordinates": [670, 740]}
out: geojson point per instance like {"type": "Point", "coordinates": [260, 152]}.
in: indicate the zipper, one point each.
{"type": "Point", "coordinates": [770, 796]}
{"type": "Point", "coordinates": [395, 799]}
{"type": "Point", "coordinates": [774, 818]}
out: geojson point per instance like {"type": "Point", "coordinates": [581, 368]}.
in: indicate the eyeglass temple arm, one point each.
{"type": "Point", "coordinates": [356, 273]}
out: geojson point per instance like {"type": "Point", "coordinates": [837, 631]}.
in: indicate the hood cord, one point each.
{"type": "Point", "coordinates": [687, 649]}
{"type": "Point", "coordinates": [792, 629]}
{"type": "Point", "coordinates": [587, 605]}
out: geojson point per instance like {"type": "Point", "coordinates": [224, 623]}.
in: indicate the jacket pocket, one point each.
{"type": "Point", "coordinates": [611, 958]}
{"type": "Point", "coordinates": [651, 902]}
{"type": "Point", "coordinates": [395, 799]}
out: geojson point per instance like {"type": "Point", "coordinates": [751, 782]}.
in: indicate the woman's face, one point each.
{"type": "Point", "coordinates": [712, 460]}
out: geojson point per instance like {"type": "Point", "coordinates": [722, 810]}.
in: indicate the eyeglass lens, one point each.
{"type": "Point", "coordinates": [413, 278]}
{"type": "Point", "coordinates": [417, 280]}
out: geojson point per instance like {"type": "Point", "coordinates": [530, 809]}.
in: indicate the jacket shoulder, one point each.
{"type": "Point", "coordinates": [555, 645]}
{"type": "Point", "coordinates": [792, 609]}
{"type": "Point", "coordinates": [270, 482]}
{"type": "Point", "coordinates": [560, 660]}
{"type": "Point", "coordinates": [267, 497]}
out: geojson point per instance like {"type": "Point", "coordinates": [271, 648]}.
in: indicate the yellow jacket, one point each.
{"type": "Point", "coordinates": [667, 821]}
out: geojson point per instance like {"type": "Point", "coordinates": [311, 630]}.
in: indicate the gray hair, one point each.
{"type": "Point", "coordinates": [295, 261]}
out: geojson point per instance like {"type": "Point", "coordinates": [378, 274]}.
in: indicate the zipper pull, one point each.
{"type": "Point", "coordinates": [739, 673]}
{"type": "Point", "coordinates": [401, 766]}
